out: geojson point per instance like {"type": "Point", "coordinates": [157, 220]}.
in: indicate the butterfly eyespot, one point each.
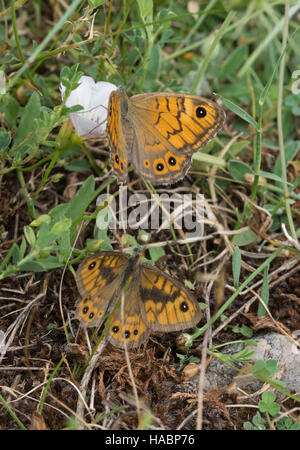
{"type": "Point", "coordinates": [200, 112]}
{"type": "Point", "coordinates": [92, 265]}
{"type": "Point", "coordinates": [122, 166]}
{"type": "Point", "coordinates": [115, 329]}
{"type": "Point", "coordinates": [117, 159]}
{"type": "Point", "coordinates": [172, 161]}
{"type": "Point", "coordinates": [159, 167]}
{"type": "Point", "coordinates": [184, 307]}
{"type": "Point", "coordinates": [146, 163]}
{"type": "Point", "coordinates": [127, 334]}
{"type": "Point", "coordinates": [91, 315]}
{"type": "Point", "coordinates": [85, 309]}
{"type": "Point", "coordinates": [136, 332]}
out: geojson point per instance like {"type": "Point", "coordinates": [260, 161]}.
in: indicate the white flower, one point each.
{"type": "Point", "coordinates": [93, 97]}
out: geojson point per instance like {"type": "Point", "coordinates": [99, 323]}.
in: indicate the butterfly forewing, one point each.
{"type": "Point", "coordinates": [168, 129]}
{"type": "Point", "coordinates": [99, 280]}
{"type": "Point", "coordinates": [183, 122]}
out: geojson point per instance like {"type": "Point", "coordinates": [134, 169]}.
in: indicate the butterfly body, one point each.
{"type": "Point", "coordinates": [153, 301]}
{"type": "Point", "coordinates": [159, 132]}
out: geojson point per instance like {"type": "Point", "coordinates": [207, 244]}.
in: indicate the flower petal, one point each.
{"type": "Point", "coordinates": [93, 97]}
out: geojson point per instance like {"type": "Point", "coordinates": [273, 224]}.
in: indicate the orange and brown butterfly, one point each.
{"type": "Point", "coordinates": [158, 133]}
{"type": "Point", "coordinates": [153, 301]}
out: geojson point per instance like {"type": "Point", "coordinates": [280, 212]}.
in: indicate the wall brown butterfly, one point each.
{"type": "Point", "coordinates": [159, 132]}
{"type": "Point", "coordinates": [154, 301]}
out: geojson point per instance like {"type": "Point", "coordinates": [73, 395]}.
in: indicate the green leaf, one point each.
{"type": "Point", "coordinates": [146, 10]}
{"type": "Point", "coordinates": [32, 266]}
{"type": "Point", "coordinates": [78, 165]}
{"type": "Point", "coordinates": [42, 218]}
{"type": "Point", "coordinates": [102, 236]}
{"type": "Point", "coordinates": [64, 245]}
{"type": "Point", "coordinates": [22, 248]}
{"type": "Point", "coordinates": [5, 139]}
{"type": "Point", "coordinates": [272, 176]}
{"type": "Point", "coordinates": [17, 253]}
{"type": "Point", "coordinates": [69, 77]}
{"type": "Point", "coordinates": [44, 237]}
{"type": "Point", "coordinates": [12, 109]}
{"type": "Point", "coordinates": [238, 170]}
{"type": "Point", "coordinates": [261, 311]}
{"type": "Point", "coordinates": [291, 150]}
{"type": "Point", "coordinates": [244, 330]}
{"type": "Point", "coordinates": [235, 60]}
{"type": "Point", "coordinates": [42, 265]}
{"type": "Point", "coordinates": [77, 206]}
{"type": "Point", "coordinates": [93, 245]}
{"type": "Point", "coordinates": [129, 241]}
{"type": "Point", "coordinates": [189, 285]}
{"type": "Point", "coordinates": [239, 112]}
{"type": "Point", "coordinates": [288, 424]}
{"type": "Point", "coordinates": [201, 157]}
{"type": "Point", "coordinates": [153, 66]}
{"type": "Point", "coordinates": [248, 426]}
{"type": "Point", "coordinates": [237, 147]}
{"type": "Point", "coordinates": [246, 237]}
{"type": "Point", "coordinates": [156, 253]}
{"type": "Point", "coordinates": [259, 422]}
{"type": "Point", "coordinates": [236, 266]}
{"type": "Point", "coordinates": [28, 125]}
{"type": "Point", "coordinates": [265, 369]}
{"type": "Point", "coordinates": [267, 404]}
{"type": "Point", "coordinates": [30, 236]}
{"type": "Point", "coordinates": [295, 426]}
{"type": "Point", "coordinates": [93, 4]}
{"type": "Point", "coordinates": [268, 397]}
{"type": "Point", "coordinates": [60, 227]}
{"type": "Point", "coordinates": [165, 24]}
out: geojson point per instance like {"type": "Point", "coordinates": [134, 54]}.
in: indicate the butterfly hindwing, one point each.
{"type": "Point", "coordinates": [133, 330]}
{"type": "Point", "coordinates": [166, 304]}
{"type": "Point", "coordinates": [155, 162]}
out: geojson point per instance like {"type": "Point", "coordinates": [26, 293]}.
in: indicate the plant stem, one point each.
{"type": "Point", "coordinates": [30, 203]}
{"type": "Point", "coordinates": [280, 126]}
{"type": "Point", "coordinates": [10, 411]}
